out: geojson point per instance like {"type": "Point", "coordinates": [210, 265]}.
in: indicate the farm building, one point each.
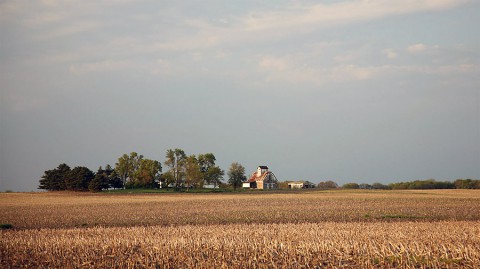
{"type": "Point", "coordinates": [295, 185]}
{"type": "Point", "coordinates": [301, 185]}
{"type": "Point", "coordinates": [261, 179]}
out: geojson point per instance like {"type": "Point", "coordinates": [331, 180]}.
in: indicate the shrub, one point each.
{"type": "Point", "coordinates": [328, 185]}
{"type": "Point", "coordinates": [379, 186]}
{"type": "Point", "coordinates": [6, 226]}
{"type": "Point", "coordinates": [351, 186]}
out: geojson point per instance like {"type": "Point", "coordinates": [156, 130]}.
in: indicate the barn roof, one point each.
{"type": "Point", "coordinates": [254, 177]}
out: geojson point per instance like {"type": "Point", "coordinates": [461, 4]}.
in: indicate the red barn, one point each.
{"type": "Point", "coordinates": [261, 179]}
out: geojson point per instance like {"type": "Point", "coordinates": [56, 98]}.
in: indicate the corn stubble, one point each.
{"type": "Point", "coordinates": [331, 244]}
{"type": "Point", "coordinates": [305, 230]}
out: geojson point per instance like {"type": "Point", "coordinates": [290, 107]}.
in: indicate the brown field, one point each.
{"type": "Point", "coordinates": [317, 229]}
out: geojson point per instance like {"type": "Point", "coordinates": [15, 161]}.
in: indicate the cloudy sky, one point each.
{"type": "Point", "coordinates": [353, 90]}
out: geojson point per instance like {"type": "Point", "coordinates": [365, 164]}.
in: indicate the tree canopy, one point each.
{"type": "Point", "coordinates": [54, 180]}
{"type": "Point", "coordinates": [236, 175]}
{"type": "Point", "coordinates": [329, 184]}
{"type": "Point", "coordinates": [193, 174]}
{"type": "Point", "coordinates": [194, 171]}
{"type": "Point", "coordinates": [175, 162]}
{"type": "Point", "coordinates": [127, 166]}
{"type": "Point", "coordinates": [64, 178]}
{"type": "Point", "coordinates": [135, 171]}
{"type": "Point", "coordinates": [212, 173]}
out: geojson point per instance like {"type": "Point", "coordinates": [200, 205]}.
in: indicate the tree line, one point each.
{"type": "Point", "coordinates": [409, 185]}
{"type": "Point", "coordinates": [135, 171]}
{"type": "Point", "coordinates": [185, 172]}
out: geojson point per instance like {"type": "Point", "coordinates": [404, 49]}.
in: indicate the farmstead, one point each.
{"type": "Point", "coordinates": [261, 179]}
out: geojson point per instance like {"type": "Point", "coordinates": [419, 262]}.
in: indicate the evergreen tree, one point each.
{"type": "Point", "coordinates": [79, 178]}
{"type": "Point", "coordinates": [115, 181]}
{"type": "Point", "coordinates": [100, 181]}
{"type": "Point", "coordinates": [54, 180]}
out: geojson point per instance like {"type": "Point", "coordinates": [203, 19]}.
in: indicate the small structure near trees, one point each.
{"type": "Point", "coordinates": [301, 185]}
{"type": "Point", "coordinates": [261, 179]}
{"type": "Point", "coordinates": [295, 185]}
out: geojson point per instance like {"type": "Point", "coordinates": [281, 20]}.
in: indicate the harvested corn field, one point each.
{"type": "Point", "coordinates": [70, 210]}
{"type": "Point", "coordinates": [410, 229]}
{"type": "Point", "coordinates": [328, 244]}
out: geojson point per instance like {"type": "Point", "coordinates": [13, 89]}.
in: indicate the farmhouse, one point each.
{"type": "Point", "coordinates": [261, 179]}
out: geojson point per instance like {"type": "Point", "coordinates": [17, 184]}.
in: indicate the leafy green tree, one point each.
{"type": "Point", "coordinates": [351, 186]}
{"type": "Point", "coordinates": [398, 186]}
{"type": "Point", "coordinates": [54, 180]}
{"type": "Point", "coordinates": [127, 165]}
{"type": "Point", "coordinates": [148, 173]}
{"type": "Point", "coordinates": [206, 160]}
{"type": "Point", "coordinates": [365, 186]}
{"type": "Point", "coordinates": [123, 168]}
{"type": "Point", "coordinates": [466, 184]}
{"type": "Point", "coordinates": [236, 175]}
{"type": "Point", "coordinates": [212, 174]}
{"type": "Point", "coordinates": [167, 180]}
{"type": "Point", "coordinates": [327, 185]}
{"type": "Point", "coordinates": [193, 174]}
{"type": "Point", "coordinates": [422, 185]}
{"type": "Point", "coordinates": [175, 161]}
{"type": "Point", "coordinates": [379, 186]}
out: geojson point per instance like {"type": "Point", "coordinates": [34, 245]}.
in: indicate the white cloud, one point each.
{"type": "Point", "coordinates": [353, 72]}
{"type": "Point", "coordinates": [390, 53]}
{"type": "Point", "coordinates": [194, 37]}
{"type": "Point", "coordinates": [259, 26]}
{"type": "Point", "coordinates": [321, 15]}
{"type": "Point", "coordinates": [416, 48]}
{"type": "Point", "coordinates": [421, 48]}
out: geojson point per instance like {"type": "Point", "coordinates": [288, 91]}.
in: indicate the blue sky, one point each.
{"type": "Point", "coordinates": [365, 91]}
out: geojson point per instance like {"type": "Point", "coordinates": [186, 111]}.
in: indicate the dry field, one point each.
{"type": "Point", "coordinates": [318, 229]}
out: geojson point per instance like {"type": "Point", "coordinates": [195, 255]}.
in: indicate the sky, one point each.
{"type": "Point", "coordinates": [352, 91]}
